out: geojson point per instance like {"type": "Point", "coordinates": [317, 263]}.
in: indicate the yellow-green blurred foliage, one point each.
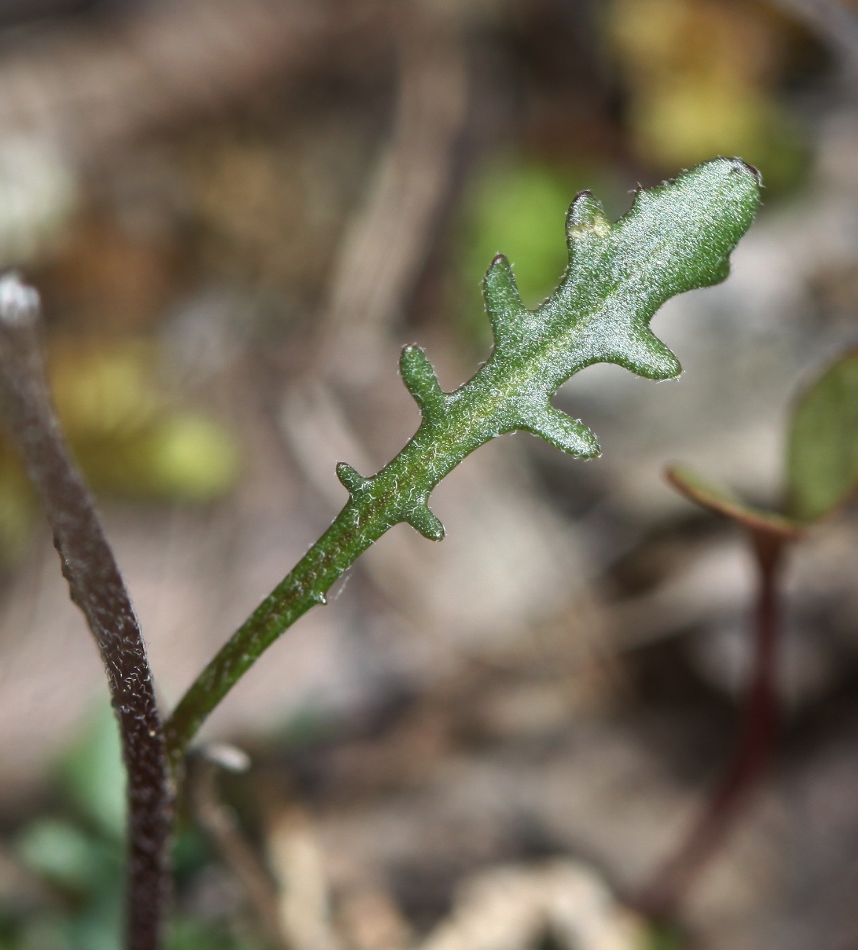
{"type": "Point", "coordinates": [126, 434]}
{"type": "Point", "coordinates": [517, 207]}
{"type": "Point", "coordinates": [701, 79]}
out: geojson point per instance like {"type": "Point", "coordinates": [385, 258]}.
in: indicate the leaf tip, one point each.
{"type": "Point", "coordinates": [648, 356]}
{"type": "Point", "coordinates": [498, 276]}
{"type": "Point", "coordinates": [500, 288]}
{"type": "Point", "coordinates": [19, 302]}
{"type": "Point", "coordinates": [420, 380]}
{"type": "Point", "coordinates": [562, 431]}
{"type": "Point", "coordinates": [422, 519]}
{"type": "Point", "coordinates": [732, 182]}
{"type": "Point", "coordinates": [586, 216]}
{"type": "Point", "coordinates": [350, 478]}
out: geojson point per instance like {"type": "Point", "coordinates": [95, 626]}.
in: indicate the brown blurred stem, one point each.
{"type": "Point", "coordinates": [833, 23]}
{"type": "Point", "coordinates": [663, 895]}
{"type": "Point", "coordinates": [96, 587]}
{"type": "Point", "coordinates": [221, 825]}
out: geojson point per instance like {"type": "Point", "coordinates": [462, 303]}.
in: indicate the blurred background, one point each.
{"type": "Point", "coordinates": [236, 212]}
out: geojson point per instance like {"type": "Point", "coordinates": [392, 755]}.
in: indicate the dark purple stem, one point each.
{"type": "Point", "coordinates": [96, 587]}
{"type": "Point", "coordinates": [662, 897]}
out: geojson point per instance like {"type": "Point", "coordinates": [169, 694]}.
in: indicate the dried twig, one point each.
{"type": "Point", "coordinates": [298, 865]}
{"type": "Point", "coordinates": [220, 823]}
{"type": "Point", "coordinates": [96, 587]}
{"type": "Point", "coordinates": [383, 251]}
{"type": "Point", "coordinates": [561, 903]}
{"type": "Point", "coordinates": [386, 243]}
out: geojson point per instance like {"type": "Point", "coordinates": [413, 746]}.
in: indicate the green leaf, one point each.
{"type": "Point", "coordinates": [60, 852]}
{"type": "Point", "coordinates": [662, 937]}
{"type": "Point", "coordinates": [822, 455]}
{"type": "Point", "coordinates": [676, 237]}
{"type": "Point", "coordinates": [722, 501]}
{"type": "Point", "coordinates": [93, 775]}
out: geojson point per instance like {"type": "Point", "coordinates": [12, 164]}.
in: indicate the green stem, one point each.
{"type": "Point", "coordinates": [454, 425]}
{"type": "Point", "coordinates": [364, 519]}
{"type": "Point", "coordinates": [302, 589]}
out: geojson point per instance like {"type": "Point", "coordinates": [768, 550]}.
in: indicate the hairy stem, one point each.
{"type": "Point", "coordinates": [662, 898]}
{"type": "Point", "coordinates": [452, 428]}
{"type": "Point", "coordinates": [96, 587]}
{"type": "Point", "coordinates": [360, 524]}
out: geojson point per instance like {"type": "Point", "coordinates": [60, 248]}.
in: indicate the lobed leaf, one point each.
{"type": "Point", "coordinates": [675, 237]}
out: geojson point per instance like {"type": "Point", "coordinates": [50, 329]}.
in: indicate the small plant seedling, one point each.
{"type": "Point", "coordinates": [821, 476]}
{"type": "Point", "coordinates": [675, 238]}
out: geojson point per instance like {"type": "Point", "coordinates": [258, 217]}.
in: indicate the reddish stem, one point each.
{"type": "Point", "coordinates": [662, 897]}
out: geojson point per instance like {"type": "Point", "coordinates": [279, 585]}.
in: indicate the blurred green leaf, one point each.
{"type": "Point", "coordinates": [187, 934]}
{"type": "Point", "coordinates": [99, 929]}
{"type": "Point", "coordinates": [82, 862]}
{"type": "Point", "coordinates": [18, 509]}
{"type": "Point", "coordinates": [191, 458]}
{"type": "Point", "coordinates": [84, 866]}
{"type": "Point", "coordinates": [191, 852]}
{"type": "Point", "coordinates": [700, 78]}
{"type": "Point", "coordinates": [46, 933]}
{"type": "Point", "coordinates": [60, 852]}
{"type": "Point", "coordinates": [724, 502]}
{"type": "Point", "coordinates": [93, 775]}
{"type": "Point", "coordinates": [662, 937]}
{"type": "Point", "coordinates": [126, 435]}
{"type": "Point", "coordinates": [822, 454]}
{"type": "Point", "coordinates": [518, 206]}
